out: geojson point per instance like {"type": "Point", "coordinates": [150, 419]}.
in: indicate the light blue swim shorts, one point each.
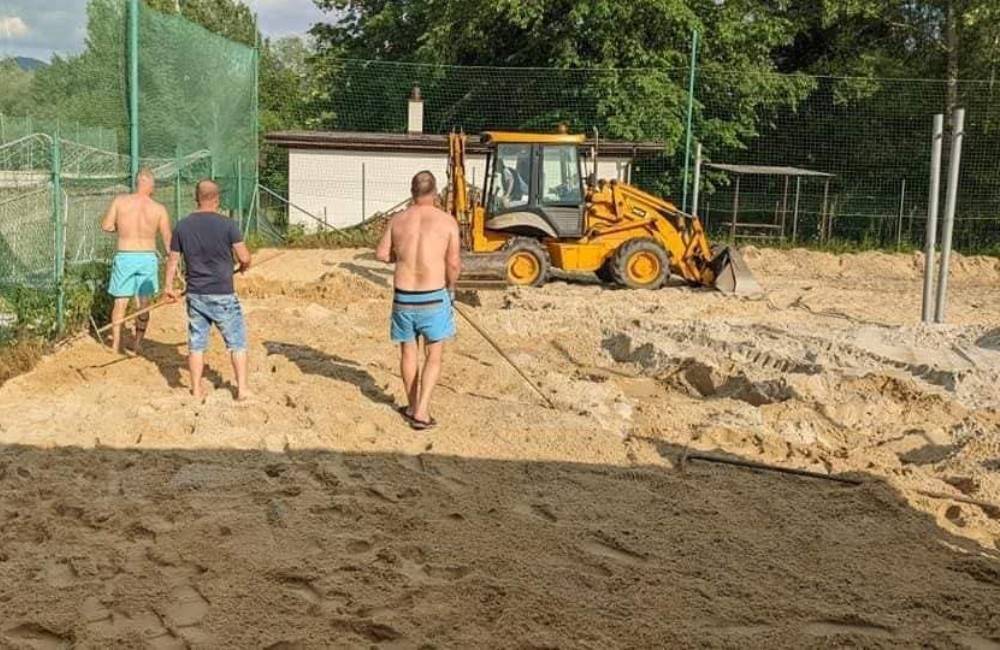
{"type": "Point", "coordinates": [134, 273]}
{"type": "Point", "coordinates": [422, 313]}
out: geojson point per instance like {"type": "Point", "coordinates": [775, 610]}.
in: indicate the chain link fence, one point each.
{"type": "Point", "coordinates": [871, 137]}
{"type": "Point", "coordinates": [61, 165]}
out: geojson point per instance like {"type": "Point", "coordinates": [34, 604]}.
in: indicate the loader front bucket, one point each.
{"type": "Point", "coordinates": [732, 275]}
{"type": "Point", "coordinates": [484, 265]}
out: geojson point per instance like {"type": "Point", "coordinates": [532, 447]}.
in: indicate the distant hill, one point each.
{"type": "Point", "coordinates": [29, 64]}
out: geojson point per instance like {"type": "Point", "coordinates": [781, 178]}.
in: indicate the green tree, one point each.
{"type": "Point", "coordinates": [625, 64]}
{"type": "Point", "coordinates": [16, 84]}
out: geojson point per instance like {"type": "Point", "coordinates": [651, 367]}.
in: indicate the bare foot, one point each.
{"type": "Point", "coordinates": [244, 396]}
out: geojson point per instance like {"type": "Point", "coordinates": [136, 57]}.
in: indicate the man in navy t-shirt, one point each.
{"type": "Point", "coordinates": [207, 241]}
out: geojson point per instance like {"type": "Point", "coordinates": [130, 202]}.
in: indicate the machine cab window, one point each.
{"type": "Point", "coordinates": [511, 177]}
{"type": "Point", "coordinates": [560, 179]}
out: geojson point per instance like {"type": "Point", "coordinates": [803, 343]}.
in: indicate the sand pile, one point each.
{"type": "Point", "coordinates": [313, 517]}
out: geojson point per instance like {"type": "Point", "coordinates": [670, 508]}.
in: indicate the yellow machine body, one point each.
{"type": "Point", "coordinates": [624, 234]}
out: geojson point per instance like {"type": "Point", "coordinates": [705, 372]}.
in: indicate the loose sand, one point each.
{"type": "Point", "coordinates": [313, 517]}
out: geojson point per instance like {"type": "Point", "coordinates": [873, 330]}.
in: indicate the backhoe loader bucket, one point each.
{"type": "Point", "coordinates": [484, 265]}
{"type": "Point", "coordinates": [732, 275]}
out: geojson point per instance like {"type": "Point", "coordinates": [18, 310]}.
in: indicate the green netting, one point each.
{"type": "Point", "coordinates": [63, 162]}
{"type": "Point", "coordinates": [197, 98]}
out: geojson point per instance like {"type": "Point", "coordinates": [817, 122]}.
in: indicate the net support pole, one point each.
{"type": "Point", "coordinates": [177, 186]}
{"type": "Point", "coordinates": [950, 202]}
{"type": "Point", "coordinates": [133, 89]}
{"type": "Point", "coordinates": [795, 210]}
{"type": "Point", "coordinates": [58, 231]}
{"type": "Point", "coordinates": [933, 202]}
{"type": "Point", "coordinates": [239, 191]}
{"type": "Point", "coordinates": [696, 184]}
{"type": "Point", "coordinates": [255, 204]}
{"type": "Point", "coordinates": [690, 117]}
{"type": "Point", "coordinates": [899, 223]}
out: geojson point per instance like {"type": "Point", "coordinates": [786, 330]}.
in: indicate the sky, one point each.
{"type": "Point", "coordinates": [38, 29]}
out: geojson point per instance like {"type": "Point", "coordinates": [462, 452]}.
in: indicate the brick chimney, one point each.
{"type": "Point", "coordinates": [415, 123]}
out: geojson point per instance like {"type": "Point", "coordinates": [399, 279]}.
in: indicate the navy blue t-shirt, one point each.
{"type": "Point", "coordinates": [206, 239]}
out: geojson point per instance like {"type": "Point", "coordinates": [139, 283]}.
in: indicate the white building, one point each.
{"type": "Point", "coordinates": [341, 177]}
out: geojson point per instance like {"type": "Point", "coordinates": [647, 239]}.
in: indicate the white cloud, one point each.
{"type": "Point", "coordinates": [13, 27]}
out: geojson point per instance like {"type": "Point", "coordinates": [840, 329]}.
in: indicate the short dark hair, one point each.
{"type": "Point", "coordinates": [206, 190]}
{"type": "Point", "coordinates": [423, 184]}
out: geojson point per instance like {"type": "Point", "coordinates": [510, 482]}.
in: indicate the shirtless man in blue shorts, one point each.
{"type": "Point", "coordinates": [423, 242]}
{"type": "Point", "coordinates": [135, 218]}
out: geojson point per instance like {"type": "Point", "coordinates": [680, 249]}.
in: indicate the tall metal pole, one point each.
{"type": "Point", "coordinates": [364, 185]}
{"type": "Point", "coordinates": [950, 202]}
{"type": "Point", "coordinates": [239, 191]}
{"type": "Point", "coordinates": [696, 190]}
{"type": "Point", "coordinates": [177, 186]}
{"type": "Point", "coordinates": [795, 210]}
{"type": "Point", "coordinates": [690, 116]}
{"type": "Point", "coordinates": [58, 229]}
{"type": "Point", "coordinates": [933, 201]}
{"type": "Point", "coordinates": [824, 215]}
{"type": "Point", "coordinates": [133, 88]}
{"type": "Point", "coordinates": [899, 224]}
{"type": "Point", "coordinates": [736, 210]}
{"type": "Point", "coordinates": [256, 114]}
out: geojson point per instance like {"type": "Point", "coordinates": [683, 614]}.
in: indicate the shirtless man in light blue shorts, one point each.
{"type": "Point", "coordinates": [135, 218]}
{"type": "Point", "coordinates": [423, 241]}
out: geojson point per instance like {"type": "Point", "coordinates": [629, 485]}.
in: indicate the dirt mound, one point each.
{"type": "Point", "coordinates": [867, 266]}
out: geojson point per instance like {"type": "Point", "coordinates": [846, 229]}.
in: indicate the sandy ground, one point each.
{"type": "Point", "coordinates": [313, 517]}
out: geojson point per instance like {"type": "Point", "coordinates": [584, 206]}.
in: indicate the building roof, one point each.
{"type": "Point", "coordinates": [422, 142]}
{"type": "Point", "coordinates": [766, 170]}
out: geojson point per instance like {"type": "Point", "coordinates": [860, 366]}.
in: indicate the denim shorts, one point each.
{"type": "Point", "coordinates": [223, 311]}
{"type": "Point", "coordinates": [421, 313]}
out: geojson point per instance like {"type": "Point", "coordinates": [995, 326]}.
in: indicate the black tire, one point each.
{"type": "Point", "coordinates": [605, 273]}
{"type": "Point", "coordinates": [525, 246]}
{"type": "Point", "coordinates": [625, 259]}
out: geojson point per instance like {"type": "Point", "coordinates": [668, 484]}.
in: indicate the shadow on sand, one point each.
{"type": "Point", "coordinates": [316, 362]}
{"type": "Point", "coordinates": [247, 548]}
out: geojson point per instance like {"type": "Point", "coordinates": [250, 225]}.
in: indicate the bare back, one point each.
{"type": "Point", "coordinates": [422, 238]}
{"type": "Point", "coordinates": [136, 219]}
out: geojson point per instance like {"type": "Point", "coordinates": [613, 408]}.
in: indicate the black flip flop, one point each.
{"type": "Point", "coordinates": [402, 411]}
{"type": "Point", "coordinates": [420, 425]}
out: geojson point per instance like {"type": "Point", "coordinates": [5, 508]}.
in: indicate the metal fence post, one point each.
{"type": "Point", "coordinates": [364, 185]}
{"type": "Point", "coordinates": [133, 88]}
{"type": "Point", "coordinates": [239, 191]}
{"type": "Point", "coordinates": [695, 191]}
{"type": "Point", "coordinates": [795, 210]}
{"type": "Point", "coordinates": [690, 117]}
{"type": "Point", "coordinates": [899, 224]}
{"type": "Point", "coordinates": [177, 187]}
{"type": "Point", "coordinates": [59, 231]}
{"type": "Point", "coordinates": [950, 202]}
{"type": "Point", "coordinates": [933, 201]}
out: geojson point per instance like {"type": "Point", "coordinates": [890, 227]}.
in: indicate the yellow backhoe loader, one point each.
{"type": "Point", "coordinates": [538, 210]}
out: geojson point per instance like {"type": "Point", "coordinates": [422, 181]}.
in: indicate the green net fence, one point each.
{"type": "Point", "coordinates": [871, 137]}
{"type": "Point", "coordinates": [62, 164]}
